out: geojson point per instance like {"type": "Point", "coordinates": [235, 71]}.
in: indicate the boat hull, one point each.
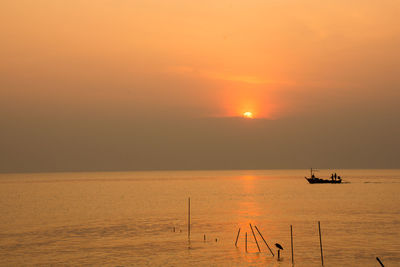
{"type": "Point", "coordinates": [322, 181]}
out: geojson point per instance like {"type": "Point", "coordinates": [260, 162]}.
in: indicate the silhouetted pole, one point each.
{"type": "Point", "coordinates": [237, 237]}
{"type": "Point", "coordinates": [245, 241]}
{"type": "Point", "coordinates": [380, 262]}
{"type": "Point", "coordinates": [259, 250]}
{"type": "Point", "coordinates": [320, 242]}
{"type": "Point", "coordinates": [189, 220]}
{"type": "Point", "coordinates": [291, 242]}
{"type": "Point", "coordinates": [264, 240]}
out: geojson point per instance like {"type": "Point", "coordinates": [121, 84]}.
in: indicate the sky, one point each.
{"type": "Point", "coordinates": [118, 85]}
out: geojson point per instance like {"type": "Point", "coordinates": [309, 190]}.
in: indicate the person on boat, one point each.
{"type": "Point", "coordinates": [332, 176]}
{"type": "Point", "coordinates": [335, 176]}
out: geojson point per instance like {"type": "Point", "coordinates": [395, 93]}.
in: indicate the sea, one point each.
{"type": "Point", "coordinates": [142, 218]}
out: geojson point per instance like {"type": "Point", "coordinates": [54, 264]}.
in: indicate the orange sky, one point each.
{"type": "Point", "coordinates": [174, 60]}
{"type": "Point", "coordinates": [222, 57]}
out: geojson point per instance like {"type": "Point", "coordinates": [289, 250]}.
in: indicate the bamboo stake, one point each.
{"type": "Point", "coordinates": [237, 237]}
{"type": "Point", "coordinates": [264, 240]}
{"type": "Point", "coordinates": [245, 242]}
{"type": "Point", "coordinates": [291, 242]}
{"type": "Point", "coordinates": [320, 242]}
{"type": "Point", "coordinates": [259, 250]}
{"type": "Point", "coordinates": [380, 262]}
{"type": "Point", "coordinates": [189, 220]}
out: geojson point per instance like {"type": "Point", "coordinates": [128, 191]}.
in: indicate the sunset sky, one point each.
{"type": "Point", "coordinates": [136, 85]}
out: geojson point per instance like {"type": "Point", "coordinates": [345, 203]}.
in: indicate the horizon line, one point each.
{"type": "Point", "coordinates": [187, 170]}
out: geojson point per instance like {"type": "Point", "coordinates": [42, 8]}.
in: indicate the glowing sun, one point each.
{"type": "Point", "coordinates": [248, 115]}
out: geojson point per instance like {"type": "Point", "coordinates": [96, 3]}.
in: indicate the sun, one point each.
{"type": "Point", "coordinates": [248, 115]}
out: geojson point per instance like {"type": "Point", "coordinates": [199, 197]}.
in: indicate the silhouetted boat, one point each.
{"type": "Point", "coordinates": [315, 180]}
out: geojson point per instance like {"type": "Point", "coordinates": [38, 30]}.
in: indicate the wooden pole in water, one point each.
{"type": "Point", "coordinates": [245, 242]}
{"type": "Point", "coordinates": [264, 240]}
{"type": "Point", "coordinates": [380, 262]}
{"type": "Point", "coordinates": [189, 220]}
{"type": "Point", "coordinates": [237, 237]}
{"type": "Point", "coordinates": [320, 242]}
{"type": "Point", "coordinates": [291, 242]}
{"type": "Point", "coordinates": [259, 250]}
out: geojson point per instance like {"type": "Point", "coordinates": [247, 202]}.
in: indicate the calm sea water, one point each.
{"type": "Point", "coordinates": [127, 218]}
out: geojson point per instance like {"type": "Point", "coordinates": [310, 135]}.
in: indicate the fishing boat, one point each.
{"type": "Point", "coordinates": [315, 180]}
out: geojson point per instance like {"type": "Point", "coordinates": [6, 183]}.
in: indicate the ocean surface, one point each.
{"type": "Point", "coordinates": [140, 218]}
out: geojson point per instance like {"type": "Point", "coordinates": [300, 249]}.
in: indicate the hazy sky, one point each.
{"type": "Point", "coordinates": [156, 84]}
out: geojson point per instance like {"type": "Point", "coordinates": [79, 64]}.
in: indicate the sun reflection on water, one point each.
{"type": "Point", "coordinates": [252, 210]}
{"type": "Point", "coordinates": [248, 208]}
